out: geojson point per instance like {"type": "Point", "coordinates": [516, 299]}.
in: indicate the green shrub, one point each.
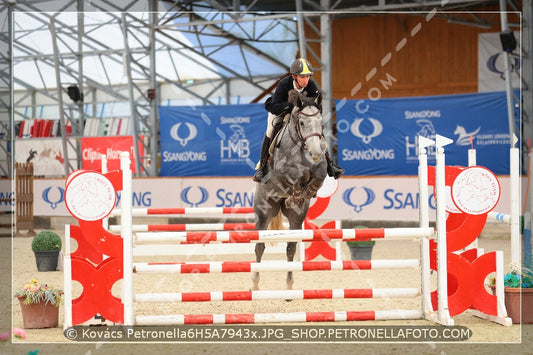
{"type": "Point", "coordinates": [46, 240]}
{"type": "Point", "coordinates": [362, 243]}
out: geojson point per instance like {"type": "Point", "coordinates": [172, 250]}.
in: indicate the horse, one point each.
{"type": "Point", "coordinates": [297, 169]}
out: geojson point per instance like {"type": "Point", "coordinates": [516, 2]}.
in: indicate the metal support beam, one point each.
{"type": "Point", "coordinates": [327, 87]}
{"type": "Point", "coordinates": [301, 29]}
{"type": "Point", "coordinates": [10, 146]}
{"type": "Point", "coordinates": [507, 72]}
{"type": "Point", "coordinates": [133, 111]}
{"type": "Point", "coordinates": [154, 102]}
{"type": "Point", "coordinates": [64, 142]}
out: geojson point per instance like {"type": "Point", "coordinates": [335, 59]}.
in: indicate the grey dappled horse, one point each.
{"type": "Point", "coordinates": [297, 170]}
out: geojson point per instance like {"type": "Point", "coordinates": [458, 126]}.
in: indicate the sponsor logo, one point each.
{"type": "Point", "coordinates": [234, 199]}
{"type": "Point", "coordinates": [91, 155]}
{"type": "Point", "coordinates": [236, 148]}
{"type": "Point", "coordinates": [369, 154]}
{"type": "Point", "coordinates": [358, 197]}
{"type": "Point", "coordinates": [139, 198]}
{"type": "Point", "coordinates": [401, 200]}
{"type": "Point", "coordinates": [426, 128]}
{"type": "Point", "coordinates": [366, 132]}
{"type": "Point", "coordinates": [177, 136]}
{"type": "Point", "coordinates": [377, 128]}
{"type": "Point", "coordinates": [409, 115]}
{"type": "Point", "coordinates": [186, 196]}
{"type": "Point", "coordinates": [464, 136]}
{"type": "Point", "coordinates": [496, 64]}
{"type": "Point", "coordinates": [53, 195]}
{"type": "Point", "coordinates": [184, 156]}
{"type": "Point", "coordinates": [234, 120]}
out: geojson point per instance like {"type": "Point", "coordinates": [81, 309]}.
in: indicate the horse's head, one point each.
{"type": "Point", "coordinates": [307, 120]}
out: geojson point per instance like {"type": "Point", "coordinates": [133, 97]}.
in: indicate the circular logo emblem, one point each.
{"type": "Point", "coordinates": [476, 190]}
{"type": "Point", "coordinates": [90, 196]}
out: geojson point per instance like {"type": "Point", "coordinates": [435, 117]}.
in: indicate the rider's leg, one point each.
{"type": "Point", "coordinates": [333, 169]}
{"type": "Point", "coordinates": [263, 159]}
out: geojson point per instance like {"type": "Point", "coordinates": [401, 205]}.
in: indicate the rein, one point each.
{"type": "Point", "coordinates": [298, 130]}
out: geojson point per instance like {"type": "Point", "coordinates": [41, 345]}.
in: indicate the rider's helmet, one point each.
{"type": "Point", "coordinates": [301, 67]}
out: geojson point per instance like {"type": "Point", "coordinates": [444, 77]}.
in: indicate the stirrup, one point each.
{"type": "Point", "coordinates": [260, 175]}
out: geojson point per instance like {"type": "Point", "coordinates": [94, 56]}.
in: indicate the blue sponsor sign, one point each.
{"type": "Point", "coordinates": [380, 137]}
{"type": "Point", "coordinates": [211, 140]}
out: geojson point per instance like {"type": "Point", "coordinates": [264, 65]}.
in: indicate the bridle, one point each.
{"type": "Point", "coordinates": [299, 131]}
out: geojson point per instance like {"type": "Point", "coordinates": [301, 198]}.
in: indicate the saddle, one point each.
{"type": "Point", "coordinates": [279, 124]}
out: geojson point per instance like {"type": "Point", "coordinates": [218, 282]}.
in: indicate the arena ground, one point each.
{"type": "Point", "coordinates": [487, 337]}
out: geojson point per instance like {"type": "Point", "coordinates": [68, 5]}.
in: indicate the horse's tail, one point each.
{"type": "Point", "coordinates": [277, 222]}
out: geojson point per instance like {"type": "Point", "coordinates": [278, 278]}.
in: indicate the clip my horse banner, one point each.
{"type": "Point", "coordinates": [211, 140]}
{"type": "Point", "coordinates": [380, 137]}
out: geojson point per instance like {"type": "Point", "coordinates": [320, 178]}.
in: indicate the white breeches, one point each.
{"type": "Point", "coordinates": [270, 126]}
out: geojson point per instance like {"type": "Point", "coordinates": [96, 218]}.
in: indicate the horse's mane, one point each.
{"type": "Point", "coordinates": [302, 100]}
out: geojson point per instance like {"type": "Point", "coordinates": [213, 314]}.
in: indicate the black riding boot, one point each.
{"type": "Point", "coordinates": [333, 169]}
{"type": "Point", "coordinates": [262, 170]}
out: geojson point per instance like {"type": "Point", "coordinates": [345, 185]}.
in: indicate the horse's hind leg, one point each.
{"type": "Point", "coordinates": [259, 250]}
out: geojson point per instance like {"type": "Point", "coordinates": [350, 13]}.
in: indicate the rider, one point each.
{"type": "Point", "coordinates": [278, 106]}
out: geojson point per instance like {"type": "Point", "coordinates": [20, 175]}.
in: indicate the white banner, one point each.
{"type": "Point", "coordinates": [491, 66]}
{"type": "Point", "coordinates": [365, 199]}
{"type": "Point", "coordinates": [45, 154]}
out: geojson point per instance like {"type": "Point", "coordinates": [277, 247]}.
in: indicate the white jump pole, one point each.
{"type": "Point", "coordinates": [442, 274]}
{"type": "Point", "coordinates": [67, 280]}
{"type": "Point", "coordinates": [423, 208]}
{"type": "Point", "coordinates": [127, 238]}
{"type": "Point", "coordinates": [423, 204]}
{"type": "Point", "coordinates": [105, 221]}
{"type": "Point", "coordinates": [472, 161]}
{"type": "Point", "coordinates": [515, 202]}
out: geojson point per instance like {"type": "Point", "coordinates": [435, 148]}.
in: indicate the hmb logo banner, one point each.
{"type": "Point", "coordinates": [380, 136]}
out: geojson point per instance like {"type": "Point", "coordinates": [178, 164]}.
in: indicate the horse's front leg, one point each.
{"type": "Point", "coordinates": [259, 250]}
{"type": "Point", "coordinates": [291, 250]}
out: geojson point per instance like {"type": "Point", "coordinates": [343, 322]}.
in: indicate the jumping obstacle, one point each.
{"type": "Point", "coordinates": [512, 219]}
{"type": "Point", "coordinates": [423, 234]}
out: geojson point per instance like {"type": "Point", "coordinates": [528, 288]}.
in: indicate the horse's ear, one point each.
{"type": "Point", "coordinates": [295, 98]}
{"type": "Point", "coordinates": [318, 99]}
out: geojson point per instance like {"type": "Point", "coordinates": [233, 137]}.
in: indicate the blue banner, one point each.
{"type": "Point", "coordinates": [211, 140]}
{"type": "Point", "coordinates": [379, 137]}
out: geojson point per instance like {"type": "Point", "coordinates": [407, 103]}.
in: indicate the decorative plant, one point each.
{"type": "Point", "coordinates": [46, 240]}
{"type": "Point", "coordinates": [515, 278]}
{"type": "Point", "coordinates": [16, 333]}
{"type": "Point", "coordinates": [36, 293]}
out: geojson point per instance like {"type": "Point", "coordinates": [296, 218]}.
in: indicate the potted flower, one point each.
{"type": "Point", "coordinates": [361, 250]}
{"type": "Point", "coordinates": [46, 246]}
{"type": "Point", "coordinates": [518, 283]}
{"type": "Point", "coordinates": [39, 304]}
